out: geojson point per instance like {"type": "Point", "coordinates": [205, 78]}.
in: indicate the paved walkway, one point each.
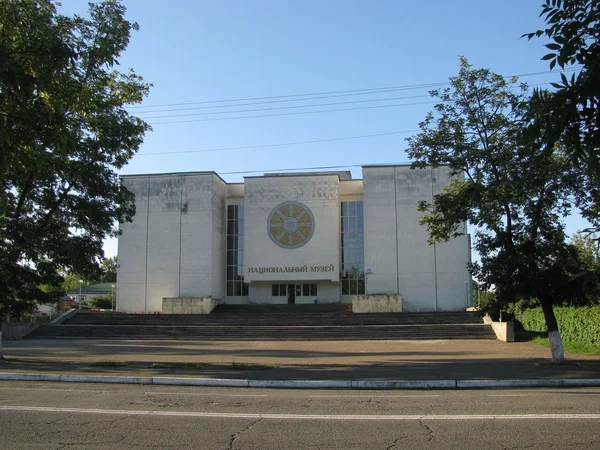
{"type": "Point", "coordinates": [308, 360]}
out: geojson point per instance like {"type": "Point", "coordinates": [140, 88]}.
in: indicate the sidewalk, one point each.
{"type": "Point", "coordinates": [415, 361]}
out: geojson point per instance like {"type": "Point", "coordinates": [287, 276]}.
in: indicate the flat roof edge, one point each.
{"type": "Point", "coordinates": [167, 174]}
{"type": "Point", "coordinates": [368, 166]}
{"type": "Point", "coordinates": [298, 175]}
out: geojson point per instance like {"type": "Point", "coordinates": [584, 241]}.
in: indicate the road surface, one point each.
{"type": "Point", "coordinates": [36, 415]}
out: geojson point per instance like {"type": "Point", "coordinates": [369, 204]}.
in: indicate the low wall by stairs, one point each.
{"type": "Point", "coordinates": [188, 305]}
{"type": "Point", "coordinates": [366, 304]}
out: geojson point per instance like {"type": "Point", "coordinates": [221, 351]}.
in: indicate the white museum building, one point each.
{"type": "Point", "coordinates": [289, 238]}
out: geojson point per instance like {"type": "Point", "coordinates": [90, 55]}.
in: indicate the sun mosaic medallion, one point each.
{"type": "Point", "coordinates": [291, 225]}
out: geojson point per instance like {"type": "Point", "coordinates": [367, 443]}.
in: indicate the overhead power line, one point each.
{"type": "Point", "coordinates": [349, 166]}
{"type": "Point", "coordinates": [318, 105]}
{"type": "Point", "coordinates": [364, 91]}
{"type": "Point", "coordinates": [385, 91]}
{"type": "Point", "coordinates": [367, 91]}
{"type": "Point", "coordinates": [283, 144]}
{"type": "Point", "coordinates": [212, 119]}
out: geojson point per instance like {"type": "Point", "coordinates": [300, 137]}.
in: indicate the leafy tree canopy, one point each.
{"type": "Point", "coordinates": [64, 130]}
{"type": "Point", "coordinates": [511, 191]}
{"type": "Point", "coordinates": [571, 113]}
{"type": "Point", "coordinates": [109, 270]}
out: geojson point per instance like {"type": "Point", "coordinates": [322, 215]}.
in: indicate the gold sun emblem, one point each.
{"type": "Point", "coordinates": [291, 225]}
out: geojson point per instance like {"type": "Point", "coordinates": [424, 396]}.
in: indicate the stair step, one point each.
{"type": "Point", "coordinates": [271, 322]}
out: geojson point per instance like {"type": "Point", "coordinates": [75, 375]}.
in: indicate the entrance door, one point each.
{"type": "Point", "coordinates": [291, 288]}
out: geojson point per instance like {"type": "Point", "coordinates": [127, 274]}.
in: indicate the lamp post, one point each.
{"type": "Point", "coordinates": [80, 284]}
{"type": "Point", "coordinates": [112, 304]}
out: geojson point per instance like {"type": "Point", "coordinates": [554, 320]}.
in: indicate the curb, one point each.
{"type": "Point", "coordinates": [306, 384]}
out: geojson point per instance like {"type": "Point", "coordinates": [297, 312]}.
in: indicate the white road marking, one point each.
{"type": "Point", "coordinates": [508, 395]}
{"type": "Point", "coordinates": [406, 417]}
{"type": "Point", "coordinates": [205, 394]}
{"type": "Point", "coordinates": [374, 396]}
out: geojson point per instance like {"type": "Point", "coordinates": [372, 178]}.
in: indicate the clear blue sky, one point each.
{"type": "Point", "coordinates": [204, 51]}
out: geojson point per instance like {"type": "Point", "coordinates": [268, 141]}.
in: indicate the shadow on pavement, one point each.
{"type": "Point", "coordinates": [464, 369]}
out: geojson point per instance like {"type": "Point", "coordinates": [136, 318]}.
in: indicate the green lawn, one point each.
{"type": "Point", "coordinates": [542, 338]}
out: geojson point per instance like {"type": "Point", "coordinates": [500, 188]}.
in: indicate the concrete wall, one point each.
{"type": "Point", "coordinates": [320, 195]}
{"type": "Point", "coordinates": [219, 233]}
{"type": "Point", "coordinates": [366, 304]}
{"type": "Point", "coordinates": [167, 251]}
{"type": "Point", "coordinates": [175, 246]}
{"type": "Point", "coordinates": [188, 305]}
{"type": "Point", "coordinates": [379, 200]}
{"type": "Point", "coordinates": [260, 292]}
{"type": "Point", "coordinates": [428, 278]}
{"type": "Point", "coordinates": [131, 270]}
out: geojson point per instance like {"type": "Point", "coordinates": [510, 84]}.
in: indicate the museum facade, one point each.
{"type": "Point", "coordinates": [289, 238]}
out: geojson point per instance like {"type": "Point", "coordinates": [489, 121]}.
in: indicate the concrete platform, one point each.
{"type": "Point", "coordinates": [314, 360]}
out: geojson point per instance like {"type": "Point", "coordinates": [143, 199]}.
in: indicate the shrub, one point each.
{"type": "Point", "coordinates": [101, 302]}
{"type": "Point", "coordinates": [581, 325]}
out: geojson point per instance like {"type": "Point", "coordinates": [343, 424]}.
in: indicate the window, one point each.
{"type": "Point", "coordinates": [235, 252]}
{"type": "Point", "coordinates": [279, 290]}
{"type": "Point", "coordinates": [306, 290]}
{"type": "Point", "coordinates": [352, 268]}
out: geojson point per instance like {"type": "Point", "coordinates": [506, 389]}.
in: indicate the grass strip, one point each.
{"type": "Point", "coordinates": [572, 347]}
{"type": "Point", "coordinates": [158, 365]}
{"type": "Point", "coordinates": [249, 366]}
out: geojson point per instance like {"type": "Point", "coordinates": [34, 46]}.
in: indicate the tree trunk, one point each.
{"type": "Point", "coordinates": [1, 353]}
{"type": "Point", "coordinates": [556, 346]}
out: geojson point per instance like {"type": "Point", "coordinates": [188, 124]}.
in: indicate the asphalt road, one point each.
{"type": "Point", "coordinates": [100, 416]}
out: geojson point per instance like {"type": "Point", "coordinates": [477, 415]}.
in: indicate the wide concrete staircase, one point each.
{"type": "Point", "coordinates": [271, 322]}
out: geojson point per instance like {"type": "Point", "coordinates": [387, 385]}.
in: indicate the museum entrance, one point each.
{"type": "Point", "coordinates": [294, 293]}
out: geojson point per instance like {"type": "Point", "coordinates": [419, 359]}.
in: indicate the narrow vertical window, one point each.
{"type": "Point", "coordinates": [352, 268]}
{"type": "Point", "coordinates": [235, 252]}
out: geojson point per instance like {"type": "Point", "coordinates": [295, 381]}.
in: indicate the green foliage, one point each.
{"type": "Point", "coordinates": [251, 366]}
{"type": "Point", "coordinates": [578, 325]}
{"type": "Point", "coordinates": [109, 364]}
{"type": "Point", "coordinates": [185, 366]}
{"type": "Point", "coordinates": [104, 302]}
{"type": "Point", "coordinates": [65, 129]}
{"type": "Point", "coordinates": [109, 270]}
{"type": "Point", "coordinates": [571, 114]}
{"type": "Point", "coordinates": [512, 192]}
{"type": "Point", "coordinates": [588, 278]}
{"type": "Point", "coordinates": [587, 249]}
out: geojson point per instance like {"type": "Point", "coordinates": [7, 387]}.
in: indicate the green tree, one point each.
{"type": "Point", "coordinates": [109, 270]}
{"type": "Point", "coordinates": [571, 113]}
{"type": "Point", "coordinates": [587, 248]}
{"type": "Point", "coordinates": [513, 193]}
{"type": "Point", "coordinates": [64, 132]}
{"type": "Point", "coordinates": [587, 280]}
{"type": "Point", "coordinates": [101, 302]}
